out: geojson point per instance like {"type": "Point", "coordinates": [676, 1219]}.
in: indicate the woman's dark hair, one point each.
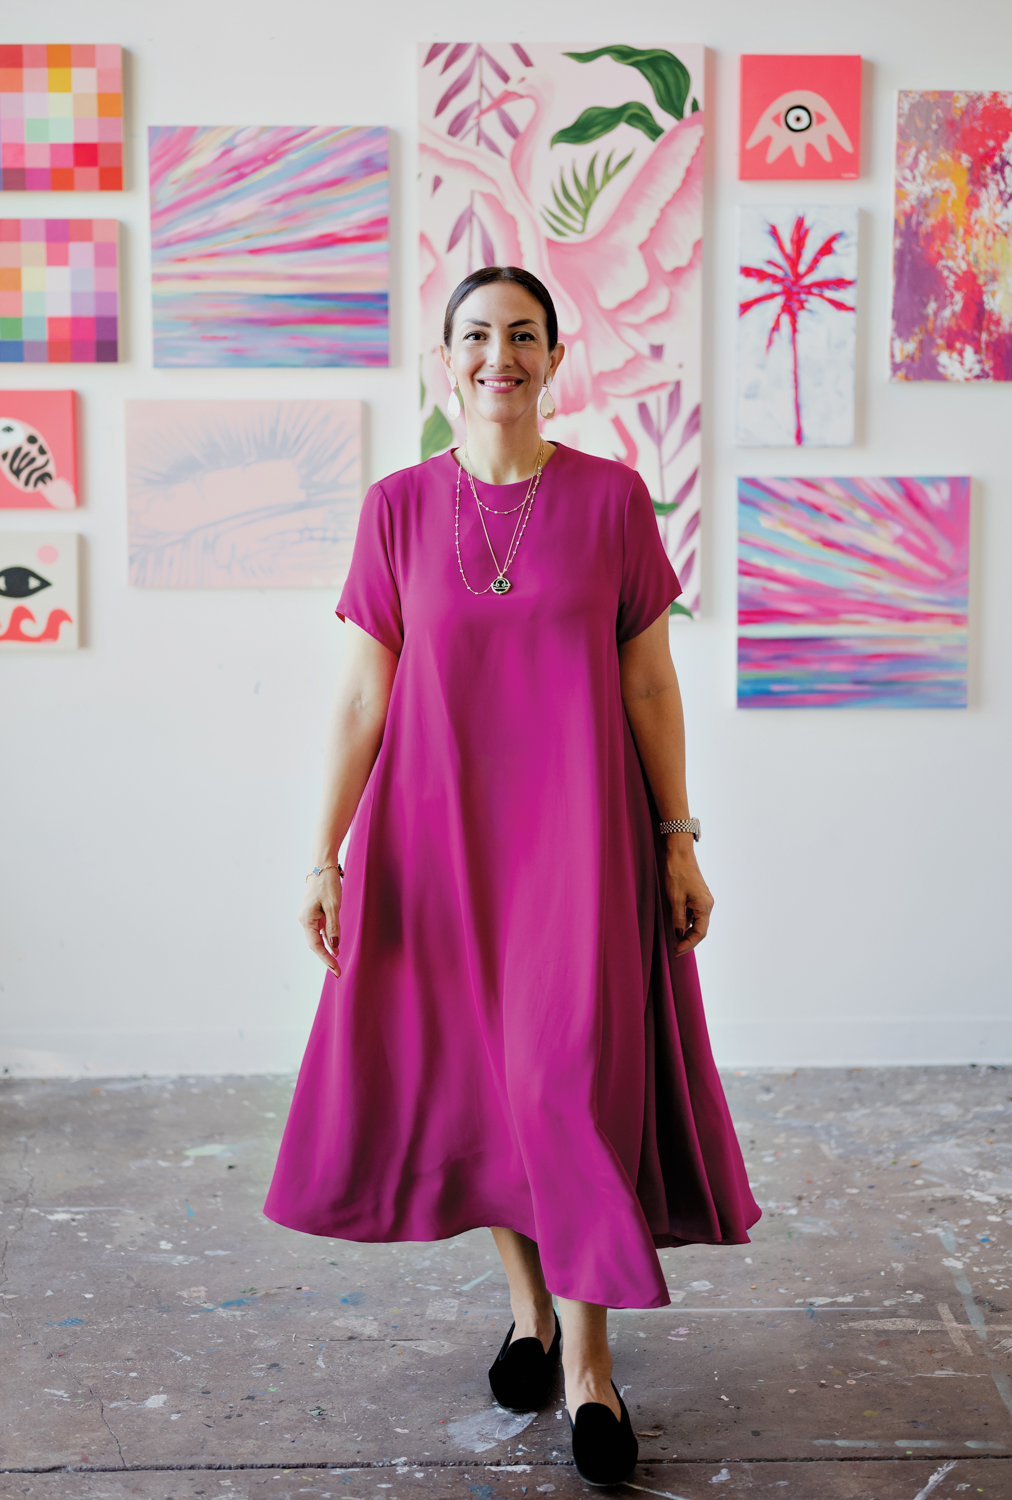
{"type": "Point", "coordinates": [485, 277]}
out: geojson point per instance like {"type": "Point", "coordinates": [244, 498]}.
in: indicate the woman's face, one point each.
{"type": "Point", "coordinates": [499, 352]}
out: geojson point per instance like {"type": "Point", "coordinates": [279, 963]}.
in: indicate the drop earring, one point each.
{"type": "Point", "coordinates": [546, 406]}
{"type": "Point", "coordinates": [453, 403]}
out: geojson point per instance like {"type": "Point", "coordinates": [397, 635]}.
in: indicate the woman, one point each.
{"type": "Point", "coordinates": [511, 1032]}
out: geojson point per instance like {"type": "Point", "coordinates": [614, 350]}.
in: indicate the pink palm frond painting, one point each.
{"type": "Point", "coordinates": [796, 291]}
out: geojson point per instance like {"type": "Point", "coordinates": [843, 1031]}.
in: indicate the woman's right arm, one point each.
{"type": "Point", "coordinates": [354, 735]}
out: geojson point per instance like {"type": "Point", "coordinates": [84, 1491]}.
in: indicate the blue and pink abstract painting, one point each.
{"type": "Point", "coordinates": [269, 245]}
{"type": "Point", "coordinates": [852, 593]}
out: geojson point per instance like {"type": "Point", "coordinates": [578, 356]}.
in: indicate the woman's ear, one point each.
{"type": "Point", "coordinates": [556, 357]}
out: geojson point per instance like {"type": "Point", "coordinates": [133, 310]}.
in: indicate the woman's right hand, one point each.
{"type": "Point", "coordinates": [320, 917]}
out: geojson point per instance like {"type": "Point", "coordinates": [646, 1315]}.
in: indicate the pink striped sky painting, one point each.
{"type": "Point", "coordinates": [269, 245]}
{"type": "Point", "coordinates": [853, 592]}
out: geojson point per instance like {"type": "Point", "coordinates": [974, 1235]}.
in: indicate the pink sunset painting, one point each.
{"type": "Point", "coordinates": [586, 168]}
{"type": "Point", "coordinates": [853, 592]}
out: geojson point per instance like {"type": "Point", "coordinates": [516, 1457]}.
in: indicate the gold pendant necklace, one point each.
{"type": "Point", "coordinates": [500, 583]}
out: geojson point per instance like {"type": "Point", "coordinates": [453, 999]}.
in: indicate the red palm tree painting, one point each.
{"type": "Point", "coordinates": [796, 291]}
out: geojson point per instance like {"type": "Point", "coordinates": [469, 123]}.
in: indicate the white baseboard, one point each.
{"type": "Point", "coordinates": [863, 1042]}
{"type": "Point", "coordinates": [851, 1043]}
{"type": "Point", "coordinates": [159, 1054]}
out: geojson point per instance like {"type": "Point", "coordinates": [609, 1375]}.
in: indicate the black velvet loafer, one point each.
{"type": "Point", "coordinates": [522, 1375]}
{"type": "Point", "coordinates": [605, 1449]}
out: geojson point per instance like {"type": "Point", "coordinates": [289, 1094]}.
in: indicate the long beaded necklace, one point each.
{"type": "Point", "coordinates": [500, 583]}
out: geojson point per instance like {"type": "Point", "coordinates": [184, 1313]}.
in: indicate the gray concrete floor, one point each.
{"type": "Point", "coordinates": [162, 1339]}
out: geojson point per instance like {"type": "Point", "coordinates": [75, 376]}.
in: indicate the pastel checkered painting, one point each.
{"type": "Point", "coordinates": [58, 291]}
{"type": "Point", "coordinates": [61, 119]}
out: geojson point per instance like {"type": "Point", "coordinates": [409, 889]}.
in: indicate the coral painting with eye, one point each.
{"type": "Point", "coordinates": [38, 591]}
{"type": "Point", "coordinates": [800, 117]}
{"type": "Point", "coordinates": [38, 461]}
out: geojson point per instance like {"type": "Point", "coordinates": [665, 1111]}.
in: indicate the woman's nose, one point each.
{"type": "Point", "coordinates": [498, 352]}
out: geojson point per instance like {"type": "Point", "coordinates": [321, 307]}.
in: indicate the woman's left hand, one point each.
{"type": "Point", "coordinates": [691, 902]}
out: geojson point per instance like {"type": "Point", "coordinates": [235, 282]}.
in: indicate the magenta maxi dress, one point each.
{"type": "Point", "coordinates": [512, 1041]}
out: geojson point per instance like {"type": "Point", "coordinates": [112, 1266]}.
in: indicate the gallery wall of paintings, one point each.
{"type": "Point", "coordinates": [269, 247]}
{"type": "Point", "coordinates": [779, 250]}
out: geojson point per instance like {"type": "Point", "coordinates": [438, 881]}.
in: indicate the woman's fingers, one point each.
{"type": "Point", "coordinates": [323, 932]}
{"type": "Point", "coordinates": [690, 910]}
{"type": "Point", "coordinates": [322, 952]}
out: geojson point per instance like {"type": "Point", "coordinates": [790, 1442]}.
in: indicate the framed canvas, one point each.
{"type": "Point", "coordinates": [952, 268]}
{"type": "Point", "coordinates": [797, 280]}
{"type": "Point", "coordinates": [242, 494]}
{"type": "Point", "coordinates": [269, 245]}
{"type": "Point", "coordinates": [799, 117]}
{"type": "Point", "coordinates": [61, 118]}
{"type": "Point", "coordinates": [38, 450]}
{"type": "Point", "coordinates": [38, 591]}
{"type": "Point", "coordinates": [853, 593]}
{"type": "Point", "coordinates": [59, 291]}
{"type": "Point", "coordinates": [586, 168]}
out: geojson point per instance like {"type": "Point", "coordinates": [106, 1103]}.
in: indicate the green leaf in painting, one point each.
{"type": "Point", "coordinates": [437, 434]}
{"type": "Point", "coordinates": [694, 108]}
{"type": "Point", "coordinates": [597, 121]}
{"type": "Point", "coordinates": [570, 217]}
{"type": "Point", "coordinates": [679, 609]}
{"type": "Point", "coordinates": [666, 75]}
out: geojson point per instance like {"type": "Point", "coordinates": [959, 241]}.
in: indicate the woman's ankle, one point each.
{"type": "Point", "coordinates": [534, 1318]}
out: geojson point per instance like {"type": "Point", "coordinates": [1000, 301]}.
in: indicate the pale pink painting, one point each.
{"type": "Point", "coordinates": [586, 168]}
{"type": "Point", "coordinates": [242, 494]}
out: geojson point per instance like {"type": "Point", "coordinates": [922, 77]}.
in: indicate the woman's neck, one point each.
{"type": "Point", "coordinates": [503, 455]}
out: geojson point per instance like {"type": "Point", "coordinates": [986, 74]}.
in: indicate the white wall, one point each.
{"type": "Point", "coordinates": [159, 786]}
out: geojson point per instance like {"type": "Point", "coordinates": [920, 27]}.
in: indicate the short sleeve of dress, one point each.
{"type": "Point", "coordinates": [370, 597]}
{"type": "Point", "coordinates": [648, 580]}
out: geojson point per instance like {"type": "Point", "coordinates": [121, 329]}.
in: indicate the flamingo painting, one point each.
{"type": "Point", "coordinates": [585, 168]}
{"type": "Point", "coordinates": [796, 344]}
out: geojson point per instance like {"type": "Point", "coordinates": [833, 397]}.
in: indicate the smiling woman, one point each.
{"type": "Point", "coordinates": [514, 1034]}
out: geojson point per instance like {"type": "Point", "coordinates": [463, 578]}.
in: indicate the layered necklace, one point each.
{"type": "Point", "coordinates": [500, 583]}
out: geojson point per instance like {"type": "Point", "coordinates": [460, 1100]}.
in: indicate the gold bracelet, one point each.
{"type": "Point", "coordinates": [319, 869]}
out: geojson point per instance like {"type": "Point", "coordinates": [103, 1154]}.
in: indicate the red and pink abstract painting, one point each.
{"type": "Point", "coordinates": [38, 452]}
{"type": "Point", "coordinates": [853, 592]}
{"type": "Point", "coordinates": [952, 267]}
{"type": "Point", "coordinates": [38, 591]}
{"type": "Point", "coordinates": [800, 117]}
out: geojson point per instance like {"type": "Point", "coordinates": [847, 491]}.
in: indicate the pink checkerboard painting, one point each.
{"type": "Point", "coordinates": [58, 291]}
{"type": "Point", "coordinates": [61, 119]}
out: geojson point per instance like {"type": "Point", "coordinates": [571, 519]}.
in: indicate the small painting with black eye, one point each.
{"type": "Point", "coordinates": [38, 591]}
{"type": "Point", "coordinates": [800, 117]}
{"type": "Point", "coordinates": [38, 458]}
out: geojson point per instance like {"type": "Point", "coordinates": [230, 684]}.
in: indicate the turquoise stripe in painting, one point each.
{"type": "Point", "coordinates": [852, 593]}
{"type": "Point", "coordinates": [269, 245]}
{"type": "Point", "coordinates": [852, 672]}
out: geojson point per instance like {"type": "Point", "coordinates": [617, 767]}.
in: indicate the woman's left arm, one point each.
{"type": "Point", "coordinates": [653, 706]}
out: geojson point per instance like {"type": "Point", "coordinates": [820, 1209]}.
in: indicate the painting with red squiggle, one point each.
{"type": "Point", "coordinates": [952, 242]}
{"type": "Point", "coordinates": [852, 593]}
{"type": "Point", "coordinates": [38, 591]}
{"type": "Point", "coordinates": [585, 168]}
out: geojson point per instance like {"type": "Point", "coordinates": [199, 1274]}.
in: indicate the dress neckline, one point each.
{"type": "Point", "coordinates": [514, 484]}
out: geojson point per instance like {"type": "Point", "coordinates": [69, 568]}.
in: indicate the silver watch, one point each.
{"type": "Point", "coordinates": [682, 825]}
